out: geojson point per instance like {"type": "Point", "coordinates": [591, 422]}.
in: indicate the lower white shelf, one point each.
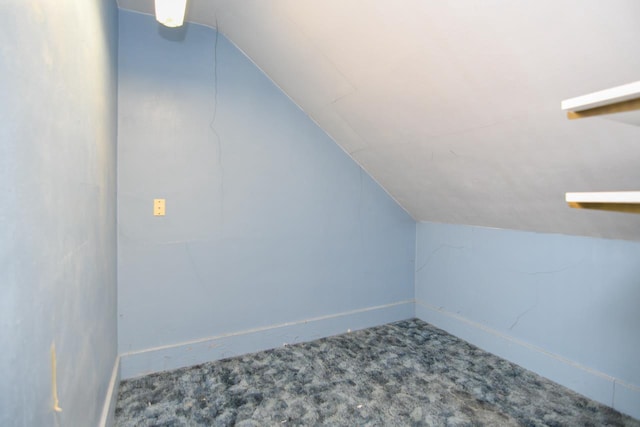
{"type": "Point", "coordinates": [617, 201]}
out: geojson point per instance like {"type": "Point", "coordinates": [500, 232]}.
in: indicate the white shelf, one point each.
{"type": "Point", "coordinates": [604, 197]}
{"type": "Point", "coordinates": [620, 103]}
{"type": "Point", "coordinates": [610, 96]}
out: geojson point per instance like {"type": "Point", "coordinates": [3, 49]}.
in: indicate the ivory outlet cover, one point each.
{"type": "Point", "coordinates": [159, 207]}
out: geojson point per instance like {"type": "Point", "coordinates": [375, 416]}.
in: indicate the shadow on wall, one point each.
{"type": "Point", "coordinates": [178, 34]}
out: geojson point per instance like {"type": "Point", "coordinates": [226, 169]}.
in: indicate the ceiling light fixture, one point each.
{"type": "Point", "coordinates": [170, 13]}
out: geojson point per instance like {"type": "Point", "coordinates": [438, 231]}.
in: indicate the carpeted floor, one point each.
{"type": "Point", "coordinates": [404, 373]}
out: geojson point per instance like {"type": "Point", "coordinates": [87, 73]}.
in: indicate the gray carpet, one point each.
{"type": "Point", "coordinates": [404, 373]}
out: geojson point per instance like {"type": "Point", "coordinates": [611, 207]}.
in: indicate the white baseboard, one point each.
{"type": "Point", "coordinates": [109, 409]}
{"type": "Point", "coordinates": [589, 382]}
{"type": "Point", "coordinates": [190, 353]}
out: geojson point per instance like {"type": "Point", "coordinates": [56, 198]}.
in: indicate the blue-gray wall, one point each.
{"type": "Point", "coordinates": [272, 233]}
{"type": "Point", "coordinates": [562, 306]}
{"type": "Point", "coordinates": [57, 209]}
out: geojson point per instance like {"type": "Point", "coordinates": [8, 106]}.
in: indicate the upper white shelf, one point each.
{"type": "Point", "coordinates": [620, 103]}
{"type": "Point", "coordinates": [604, 97]}
{"type": "Point", "coordinates": [604, 197]}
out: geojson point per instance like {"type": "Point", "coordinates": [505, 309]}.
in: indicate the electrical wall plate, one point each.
{"type": "Point", "coordinates": [159, 207]}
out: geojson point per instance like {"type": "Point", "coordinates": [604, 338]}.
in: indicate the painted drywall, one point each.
{"type": "Point", "coordinates": [268, 224]}
{"type": "Point", "coordinates": [562, 306]}
{"type": "Point", "coordinates": [58, 215]}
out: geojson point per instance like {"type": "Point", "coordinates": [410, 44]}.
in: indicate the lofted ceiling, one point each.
{"type": "Point", "coordinates": [454, 106]}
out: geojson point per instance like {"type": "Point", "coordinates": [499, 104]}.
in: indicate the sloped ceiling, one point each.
{"type": "Point", "coordinates": [454, 106]}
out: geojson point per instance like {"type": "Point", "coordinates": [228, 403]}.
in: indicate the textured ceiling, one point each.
{"type": "Point", "coordinates": [454, 106]}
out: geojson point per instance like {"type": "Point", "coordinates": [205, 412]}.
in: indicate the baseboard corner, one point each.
{"type": "Point", "coordinates": [107, 419]}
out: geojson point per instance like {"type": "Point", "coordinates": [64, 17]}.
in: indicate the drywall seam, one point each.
{"type": "Point", "coordinates": [111, 398]}
{"type": "Point", "coordinates": [142, 362]}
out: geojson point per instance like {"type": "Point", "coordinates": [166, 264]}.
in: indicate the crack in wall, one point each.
{"type": "Point", "coordinates": [194, 267]}
{"type": "Point", "coordinates": [521, 315]}
{"type": "Point", "coordinates": [218, 140]}
{"type": "Point", "coordinates": [360, 203]}
{"type": "Point", "coordinates": [558, 270]}
{"type": "Point", "coordinates": [613, 394]}
{"type": "Point", "coordinates": [435, 251]}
